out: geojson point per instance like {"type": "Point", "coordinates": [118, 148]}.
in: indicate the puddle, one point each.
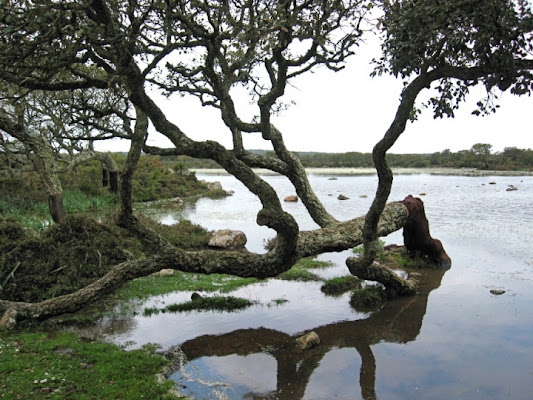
{"type": "Point", "coordinates": [453, 340]}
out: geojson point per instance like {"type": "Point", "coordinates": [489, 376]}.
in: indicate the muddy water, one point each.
{"type": "Point", "coordinates": [454, 340]}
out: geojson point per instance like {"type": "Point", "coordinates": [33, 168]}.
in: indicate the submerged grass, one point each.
{"type": "Point", "coordinates": [61, 366]}
{"type": "Point", "coordinates": [340, 284]}
{"type": "Point", "coordinates": [215, 303]}
{"type": "Point", "coordinates": [154, 285]}
{"type": "Point", "coordinates": [368, 297]}
{"type": "Point", "coordinates": [299, 272]}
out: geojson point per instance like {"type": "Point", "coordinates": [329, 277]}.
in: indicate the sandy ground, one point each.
{"type": "Point", "coordinates": [396, 171]}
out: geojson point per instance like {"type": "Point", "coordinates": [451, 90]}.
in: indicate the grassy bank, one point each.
{"type": "Point", "coordinates": [61, 366]}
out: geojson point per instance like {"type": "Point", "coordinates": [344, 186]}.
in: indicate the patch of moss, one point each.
{"type": "Point", "coordinates": [368, 298]}
{"type": "Point", "coordinates": [181, 281]}
{"type": "Point", "coordinates": [299, 272]}
{"type": "Point", "coordinates": [61, 366]}
{"type": "Point", "coordinates": [216, 303]}
{"type": "Point", "coordinates": [341, 284]}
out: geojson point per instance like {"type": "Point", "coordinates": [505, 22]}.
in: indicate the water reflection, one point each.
{"type": "Point", "coordinates": [212, 357]}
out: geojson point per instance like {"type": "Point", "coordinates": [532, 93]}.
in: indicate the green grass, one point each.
{"type": "Point", "coordinates": [340, 284]}
{"type": "Point", "coordinates": [61, 366]}
{"type": "Point", "coordinates": [76, 201]}
{"type": "Point", "coordinates": [214, 303]}
{"type": "Point", "coordinates": [34, 215]}
{"type": "Point", "coordinates": [381, 255]}
{"type": "Point", "coordinates": [368, 297]}
{"type": "Point", "coordinates": [153, 285]}
{"type": "Point", "coordinates": [299, 272]}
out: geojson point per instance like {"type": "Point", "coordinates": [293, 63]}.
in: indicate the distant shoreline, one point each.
{"type": "Point", "coordinates": [372, 171]}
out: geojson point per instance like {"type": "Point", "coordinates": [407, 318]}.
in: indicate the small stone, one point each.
{"type": "Point", "coordinates": [291, 199]}
{"type": "Point", "coordinates": [497, 292]}
{"type": "Point", "coordinates": [492, 183]}
{"type": "Point", "coordinates": [363, 196]}
{"type": "Point", "coordinates": [511, 188]}
{"type": "Point", "coordinates": [308, 340]}
{"type": "Point", "coordinates": [332, 179]}
{"type": "Point", "coordinates": [166, 272]}
{"type": "Point", "coordinates": [422, 194]}
{"type": "Point", "coordinates": [343, 197]}
{"type": "Point", "coordinates": [196, 296]}
{"type": "Point", "coordinates": [214, 185]}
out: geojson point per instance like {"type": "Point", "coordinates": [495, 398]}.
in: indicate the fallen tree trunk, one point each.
{"type": "Point", "coordinates": [239, 263]}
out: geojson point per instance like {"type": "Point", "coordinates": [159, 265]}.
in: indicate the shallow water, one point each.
{"type": "Point", "coordinates": [454, 340]}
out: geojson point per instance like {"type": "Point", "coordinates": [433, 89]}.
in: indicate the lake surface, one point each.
{"type": "Point", "coordinates": [455, 340]}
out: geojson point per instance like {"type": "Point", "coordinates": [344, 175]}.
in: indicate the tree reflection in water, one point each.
{"type": "Point", "coordinates": [397, 321]}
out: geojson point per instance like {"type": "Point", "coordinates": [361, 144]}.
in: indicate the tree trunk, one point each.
{"type": "Point", "coordinates": [105, 177]}
{"type": "Point", "coordinates": [55, 205]}
{"type": "Point", "coordinates": [138, 137]}
{"type": "Point", "coordinates": [239, 263]}
{"type": "Point", "coordinates": [113, 181]}
{"type": "Point", "coordinates": [44, 164]}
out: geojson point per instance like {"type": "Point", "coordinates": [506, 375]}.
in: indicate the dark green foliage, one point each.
{"type": "Point", "coordinates": [10, 233]}
{"type": "Point", "coordinates": [479, 156]}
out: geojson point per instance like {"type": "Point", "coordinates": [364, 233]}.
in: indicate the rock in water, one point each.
{"type": "Point", "coordinates": [308, 340]}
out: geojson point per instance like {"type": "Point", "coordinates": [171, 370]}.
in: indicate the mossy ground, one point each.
{"type": "Point", "coordinates": [212, 303]}
{"type": "Point", "coordinates": [341, 284]}
{"type": "Point", "coordinates": [300, 270]}
{"type": "Point", "coordinates": [61, 366]}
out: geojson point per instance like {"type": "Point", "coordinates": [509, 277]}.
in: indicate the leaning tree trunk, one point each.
{"type": "Point", "coordinates": [385, 176]}
{"type": "Point", "coordinates": [43, 161]}
{"type": "Point", "coordinates": [125, 213]}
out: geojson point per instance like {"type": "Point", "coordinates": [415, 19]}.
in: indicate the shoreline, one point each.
{"type": "Point", "coordinates": [371, 171]}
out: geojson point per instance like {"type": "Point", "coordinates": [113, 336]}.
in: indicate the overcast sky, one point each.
{"type": "Point", "coordinates": [349, 111]}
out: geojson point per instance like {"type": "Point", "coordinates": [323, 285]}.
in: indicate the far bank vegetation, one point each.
{"type": "Point", "coordinates": [480, 156]}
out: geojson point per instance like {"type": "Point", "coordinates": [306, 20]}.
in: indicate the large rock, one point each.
{"type": "Point", "coordinates": [416, 235]}
{"type": "Point", "coordinates": [228, 239]}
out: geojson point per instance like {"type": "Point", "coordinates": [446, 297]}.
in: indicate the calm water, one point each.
{"type": "Point", "coordinates": [453, 341]}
